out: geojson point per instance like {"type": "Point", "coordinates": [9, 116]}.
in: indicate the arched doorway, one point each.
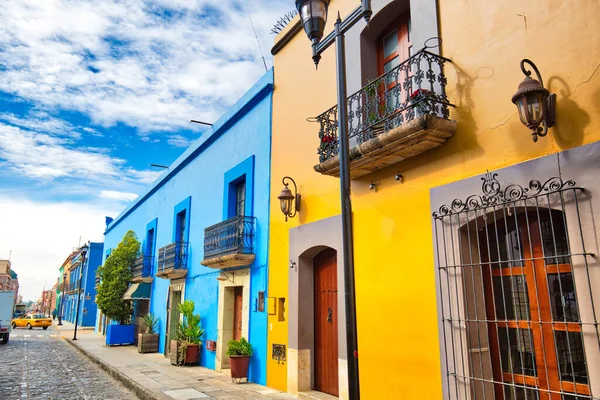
{"type": "Point", "coordinates": [326, 322]}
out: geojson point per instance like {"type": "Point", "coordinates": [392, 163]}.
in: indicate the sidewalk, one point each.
{"type": "Point", "coordinates": [151, 376]}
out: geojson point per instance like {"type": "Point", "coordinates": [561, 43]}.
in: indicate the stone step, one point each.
{"type": "Point", "coordinates": [314, 395]}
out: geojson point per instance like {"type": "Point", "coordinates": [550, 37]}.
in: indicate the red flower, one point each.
{"type": "Point", "coordinates": [327, 139]}
{"type": "Point", "coordinates": [419, 92]}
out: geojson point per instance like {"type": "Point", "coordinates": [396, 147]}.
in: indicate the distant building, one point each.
{"type": "Point", "coordinates": [84, 268]}
{"type": "Point", "coordinates": [8, 278]}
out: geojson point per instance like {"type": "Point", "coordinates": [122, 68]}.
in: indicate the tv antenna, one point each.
{"type": "Point", "coordinates": [259, 47]}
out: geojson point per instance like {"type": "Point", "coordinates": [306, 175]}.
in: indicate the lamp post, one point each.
{"type": "Point", "coordinates": [314, 17]}
{"type": "Point", "coordinates": [83, 253]}
{"type": "Point", "coordinates": [62, 300]}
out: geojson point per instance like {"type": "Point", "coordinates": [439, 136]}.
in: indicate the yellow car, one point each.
{"type": "Point", "coordinates": [31, 321]}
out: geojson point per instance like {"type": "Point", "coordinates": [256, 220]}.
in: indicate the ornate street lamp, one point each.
{"type": "Point", "coordinates": [289, 201]}
{"type": "Point", "coordinates": [536, 105]}
{"type": "Point", "coordinates": [83, 252]}
{"type": "Point", "coordinates": [314, 15]}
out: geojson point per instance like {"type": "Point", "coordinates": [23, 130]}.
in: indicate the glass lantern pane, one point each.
{"type": "Point", "coordinates": [286, 206]}
{"type": "Point", "coordinates": [534, 105]}
{"type": "Point", "coordinates": [313, 9]}
{"type": "Point", "coordinates": [521, 108]}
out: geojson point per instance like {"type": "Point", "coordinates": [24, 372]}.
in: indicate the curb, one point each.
{"type": "Point", "coordinates": [140, 391]}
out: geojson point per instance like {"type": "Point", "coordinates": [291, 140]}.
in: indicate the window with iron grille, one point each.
{"type": "Point", "coordinates": [516, 300]}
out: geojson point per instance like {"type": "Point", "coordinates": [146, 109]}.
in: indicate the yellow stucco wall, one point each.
{"type": "Point", "coordinates": [396, 304]}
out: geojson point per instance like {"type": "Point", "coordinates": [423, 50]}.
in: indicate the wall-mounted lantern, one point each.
{"type": "Point", "coordinates": [289, 201]}
{"type": "Point", "coordinates": [535, 103]}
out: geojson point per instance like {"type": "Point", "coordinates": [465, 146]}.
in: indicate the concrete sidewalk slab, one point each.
{"type": "Point", "coordinates": [151, 376]}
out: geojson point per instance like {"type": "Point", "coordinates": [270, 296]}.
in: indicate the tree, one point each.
{"type": "Point", "coordinates": [115, 276]}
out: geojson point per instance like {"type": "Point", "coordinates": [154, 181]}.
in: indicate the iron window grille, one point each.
{"type": "Point", "coordinates": [173, 256]}
{"type": "Point", "coordinates": [518, 318]}
{"type": "Point", "coordinates": [415, 87]}
{"type": "Point", "coordinates": [233, 236]}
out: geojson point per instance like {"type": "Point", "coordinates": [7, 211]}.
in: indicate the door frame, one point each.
{"type": "Point", "coordinates": [305, 242]}
{"type": "Point", "coordinates": [175, 286]}
{"type": "Point", "coordinates": [237, 278]}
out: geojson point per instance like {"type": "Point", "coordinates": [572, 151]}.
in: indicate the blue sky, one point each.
{"type": "Point", "coordinates": [92, 93]}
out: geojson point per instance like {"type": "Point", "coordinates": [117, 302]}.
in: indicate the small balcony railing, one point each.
{"type": "Point", "coordinates": [413, 89]}
{"type": "Point", "coordinates": [172, 260]}
{"type": "Point", "coordinates": [230, 243]}
{"type": "Point", "coordinates": [142, 267]}
{"type": "Point", "coordinates": [97, 281]}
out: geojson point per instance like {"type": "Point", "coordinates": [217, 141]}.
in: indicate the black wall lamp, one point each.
{"type": "Point", "coordinates": [289, 201]}
{"type": "Point", "coordinates": [536, 105]}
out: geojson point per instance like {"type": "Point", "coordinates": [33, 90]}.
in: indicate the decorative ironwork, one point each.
{"type": "Point", "coordinates": [233, 236]}
{"type": "Point", "coordinates": [514, 278]}
{"type": "Point", "coordinates": [142, 267]}
{"type": "Point", "coordinates": [415, 87]}
{"type": "Point", "coordinates": [283, 22]}
{"type": "Point", "coordinates": [278, 352]}
{"type": "Point", "coordinates": [494, 194]}
{"type": "Point", "coordinates": [173, 256]}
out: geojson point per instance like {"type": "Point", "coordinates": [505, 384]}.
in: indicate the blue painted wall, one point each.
{"type": "Point", "coordinates": [238, 143]}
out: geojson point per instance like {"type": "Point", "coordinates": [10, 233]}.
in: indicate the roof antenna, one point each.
{"type": "Point", "coordinates": [259, 48]}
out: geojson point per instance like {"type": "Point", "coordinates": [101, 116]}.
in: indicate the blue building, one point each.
{"type": "Point", "coordinates": [204, 226]}
{"type": "Point", "coordinates": [84, 268]}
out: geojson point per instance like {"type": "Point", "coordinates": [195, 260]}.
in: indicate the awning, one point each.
{"type": "Point", "coordinates": [138, 291]}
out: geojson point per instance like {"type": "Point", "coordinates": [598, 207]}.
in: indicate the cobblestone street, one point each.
{"type": "Point", "coordinates": [37, 364]}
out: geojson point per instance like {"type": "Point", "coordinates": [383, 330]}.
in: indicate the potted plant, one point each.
{"type": "Point", "coordinates": [115, 277]}
{"type": "Point", "coordinates": [239, 352]}
{"type": "Point", "coordinates": [423, 101]}
{"type": "Point", "coordinates": [148, 341]}
{"type": "Point", "coordinates": [188, 336]}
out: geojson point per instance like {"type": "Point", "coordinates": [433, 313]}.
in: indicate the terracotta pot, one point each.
{"type": "Point", "coordinates": [192, 354]}
{"type": "Point", "coordinates": [239, 366]}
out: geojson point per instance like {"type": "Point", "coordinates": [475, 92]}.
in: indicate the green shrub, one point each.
{"type": "Point", "coordinates": [150, 323]}
{"type": "Point", "coordinates": [239, 348]}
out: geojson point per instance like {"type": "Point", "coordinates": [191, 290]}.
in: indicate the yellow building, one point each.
{"type": "Point", "coordinates": [472, 300]}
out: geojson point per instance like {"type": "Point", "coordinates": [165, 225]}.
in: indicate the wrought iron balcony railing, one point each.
{"type": "Point", "coordinates": [413, 88]}
{"type": "Point", "coordinates": [233, 236]}
{"type": "Point", "coordinates": [142, 267]}
{"type": "Point", "coordinates": [173, 256]}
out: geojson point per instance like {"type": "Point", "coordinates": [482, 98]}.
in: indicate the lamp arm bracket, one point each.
{"type": "Point", "coordinates": [362, 11]}
{"type": "Point", "coordinates": [534, 67]}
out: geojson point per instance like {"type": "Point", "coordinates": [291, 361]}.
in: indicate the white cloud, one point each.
{"type": "Point", "coordinates": [179, 141]}
{"type": "Point", "coordinates": [115, 195]}
{"type": "Point", "coordinates": [44, 157]}
{"type": "Point", "coordinates": [132, 62]}
{"type": "Point", "coordinates": [42, 234]}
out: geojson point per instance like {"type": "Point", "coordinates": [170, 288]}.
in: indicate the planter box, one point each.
{"type": "Point", "coordinates": [147, 343]}
{"type": "Point", "coordinates": [192, 354]}
{"type": "Point", "coordinates": [119, 335]}
{"type": "Point", "coordinates": [174, 352]}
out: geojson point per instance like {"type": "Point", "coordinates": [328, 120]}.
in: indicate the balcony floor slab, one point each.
{"type": "Point", "coordinates": [230, 260]}
{"type": "Point", "coordinates": [407, 140]}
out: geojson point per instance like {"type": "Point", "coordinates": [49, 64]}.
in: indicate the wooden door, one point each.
{"type": "Point", "coordinates": [326, 322]}
{"type": "Point", "coordinates": [533, 319]}
{"type": "Point", "coordinates": [237, 312]}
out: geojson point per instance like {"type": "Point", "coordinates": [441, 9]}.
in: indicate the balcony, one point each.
{"type": "Point", "coordinates": [401, 114]}
{"type": "Point", "coordinates": [172, 261]}
{"type": "Point", "coordinates": [230, 243]}
{"type": "Point", "coordinates": [97, 281]}
{"type": "Point", "coordinates": [142, 268]}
